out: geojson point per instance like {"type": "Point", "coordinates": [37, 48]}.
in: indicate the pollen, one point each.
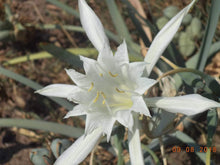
{"type": "Point", "coordinates": [100, 74]}
{"type": "Point", "coordinates": [119, 91]}
{"type": "Point", "coordinates": [91, 87]}
{"type": "Point", "coordinates": [103, 95]}
{"type": "Point", "coordinates": [103, 102]}
{"type": "Point", "coordinates": [113, 75]}
{"type": "Point", "coordinates": [96, 98]}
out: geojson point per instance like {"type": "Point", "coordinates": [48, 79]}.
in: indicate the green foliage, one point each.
{"type": "Point", "coordinates": [161, 122]}
{"type": "Point", "coordinates": [58, 146]}
{"type": "Point", "coordinates": [209, 34]}
{"type": "Point", "coordinates": [117, 143]}
{"type": "Point", "coordinates": [40, 156]}
{"type": "Point", "coordinates": [33, 85]}
{"type": "Point", "coordinates": [186, 45]}
{"type": "Point", "coordinates": [42, 125]}
{"type": "Point", "coordinates": [191, 143]}
{"type": "Point", "coordinates": [170, 11]}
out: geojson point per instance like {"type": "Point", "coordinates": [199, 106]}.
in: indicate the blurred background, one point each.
{"type": "Point", "coordinates": [37, 38]}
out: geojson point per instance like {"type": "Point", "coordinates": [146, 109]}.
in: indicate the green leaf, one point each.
{"type": "Point", "coordinates": [209, 33]}
{"type": "Point", "coordinates": [34, 86]}
{"type": "Point", "coordinates": [193, 61]}
{"type": "Point", "coordinates": [122, 29]}
{"type": "Point", "coordinates": [43, 125]}
{"type": "Point", "coordinates": [31, 57]}
{"type": "Point", "coordinates": [40, 156]}
{"type": "Point", "coordinates": [118, 21]}
{"type": "Point", "coordinates": [152, 153]}
{"type": "Point", "coordinates": [6, 35]}
{"type": "Point", "coordinates": [63, 55]}
{"type": "Point", "coordinates": [58, 146]}
{"type": "Point", "coordinates": [64, 7]}
{"type": "Point", "coordinates": [190, 142]}
{"type": "Point", "coordinates": [212, 120]}
{"type": "Point", "coordinates": [57, 26]}
{"type": "Point", "coordinates": [88, 52]}
{"type": "Point", "coordinates": [132, 13]}
{"type": "Point", "coordinates": [194, 78]}
{"type": "Point", "coordinates": [117, 141]}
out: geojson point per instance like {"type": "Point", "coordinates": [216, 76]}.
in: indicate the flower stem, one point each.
{"type": "Point", "coordinates": [136, 156]}
{"type": "Point", "coordinates": [178, 70]}
{"type": "Point", "coordinates": [208, 156]}
{"type": "Point", "coordinates": [162, 151]}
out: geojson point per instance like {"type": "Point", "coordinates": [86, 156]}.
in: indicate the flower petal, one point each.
{"type": "Point", "coordinates": [125, 118]}
{"type": "Point", "coordinates": [105, 57]}
{"type": "Point", "coordinates": [121, 54]}
{"type": "Point", "coordinates": [164, 37]}
{"type": "Point", "coordinates": [144, 84]}
{"type": "Point", "coordinates": [188, 104]}
{"type": "Point", "coordinates": [79, 150]}
{"type": "Point", "coordinates": [81, 96]}
{"type": "Point", "coordinates": [136, 69]}
{"type": "Point", "coordinates": [78, 78]}
{"type": "Point", "coordinates": [92, 25]}
{"type": "Point", "coordinates": [134, 144]}
{"type": "Point", "coordinates": [95, 120]}
{"type": "Point", "coordinates": [58, 90]}
{"type": "Point", "coordinates": [88, 64]}
{"type": "Point", "coordinates": [139, 106]}
{"type": "Point", "coordinates": [78, 110]}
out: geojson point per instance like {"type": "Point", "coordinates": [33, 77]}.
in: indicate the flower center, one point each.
{"type": "Point", "coordinates": [113, 96]}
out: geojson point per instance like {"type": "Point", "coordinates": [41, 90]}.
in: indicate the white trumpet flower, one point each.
{"type": "Point", "coordinates": [111, 89]}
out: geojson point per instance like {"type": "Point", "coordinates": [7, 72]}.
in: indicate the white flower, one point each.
{"type": "Point", "coordinates": [111, 89]}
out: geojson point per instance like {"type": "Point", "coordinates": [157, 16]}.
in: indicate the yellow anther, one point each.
{"type": "Point", "coordinates": [113, 75]}
{"type": "Point", "coordinates": [96, 98]}
{"type": "Point", "coordinates": [103, 95]}
{"type": "Point", "coordinates": [119, 91]}
{"type": "Point", "coordinates": [91, 87]}
{"type": "Point", "coordinates": [103, 102]}
{"type": "Point", "coordinates": [100, 74]}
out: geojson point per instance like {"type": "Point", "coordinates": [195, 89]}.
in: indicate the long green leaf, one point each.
{"type": "Point", "coordinates": [133, 13]}
{"type": "Point", "coordinates": [71, 57]}
{"type": "Point", "coordinates": [152, 153]}
{"type": "Point", "coordinates": [212, 121]}
{"type": "Point", "coordinates": [117, 143]}
{"type": "Point", "coordinates": [193, 61]}
{"type": "Point", "coordinates": [209, 33]}
{"type": "Point", "coordinates": [190, 142]}
{"type": "Point", "coordinates": [57, 26]}
{"type": "Point", "coordinates": [65, 7]}
{"type": "Point", "coordinates": [122, 29]}
{"type": "Point", "coordinates": [34, 86]}
{"type": "Point", "coordinates": [88, 52]}
{"type": "Point", "coordinates": [211, 86]}
{"type": "Point", "coordinates": [43, 125]}
{"type": "Point", "coordinates": [118, 21]}
{"type": "Point", "coordinates": [63, 55]}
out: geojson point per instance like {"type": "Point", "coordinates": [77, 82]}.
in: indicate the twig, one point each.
{"type": "Point", "coordinates": [171, 64]}
{"type": "Point", "coordinates": [36, 10]}
{"type": "Point", "coordinates": [68, 36]}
